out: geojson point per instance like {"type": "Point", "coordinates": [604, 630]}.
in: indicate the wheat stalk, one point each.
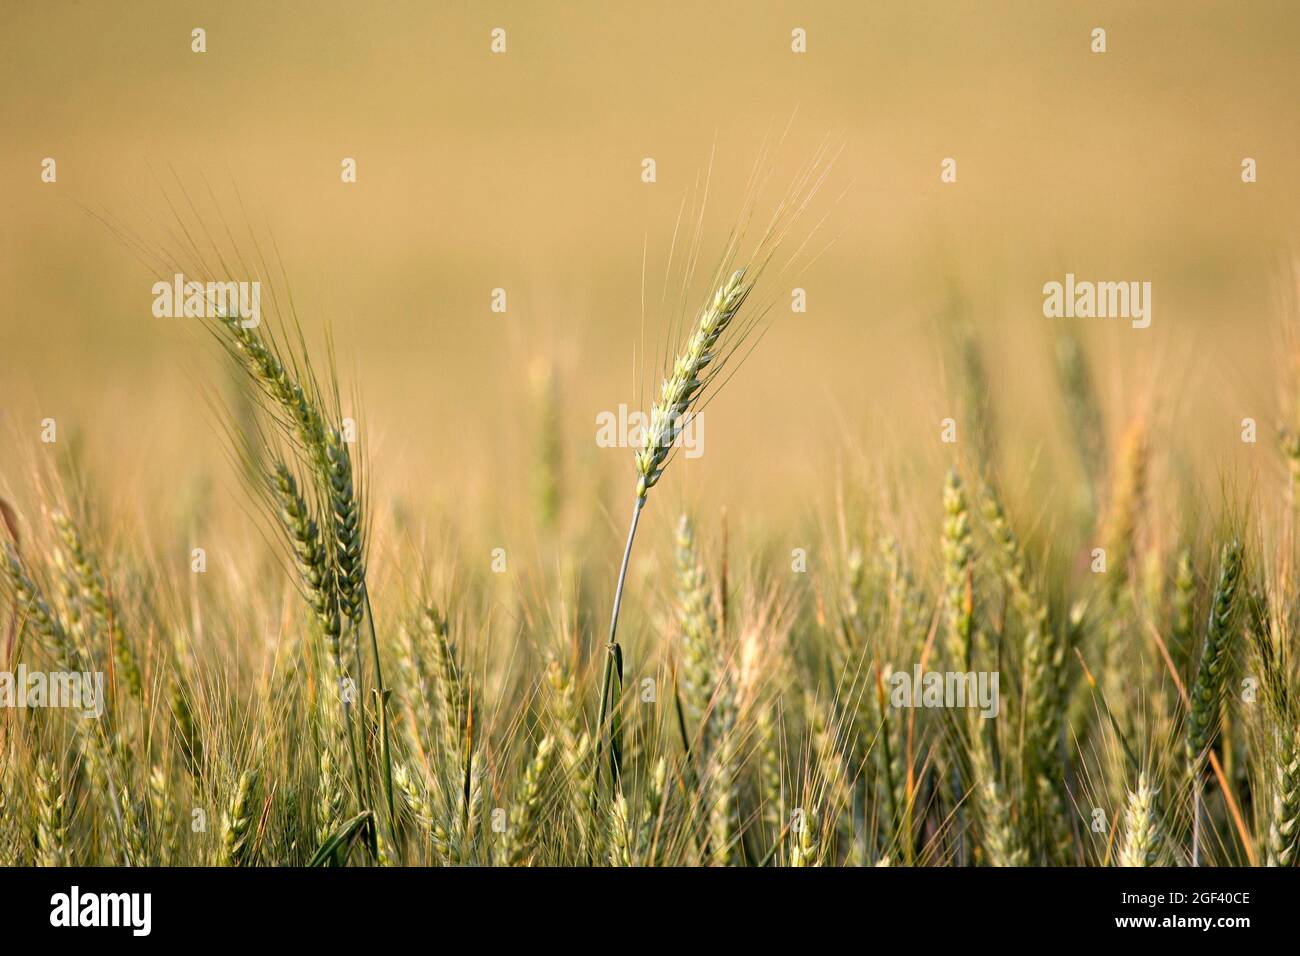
{"type": "Point", "coordinates": [680, 392]}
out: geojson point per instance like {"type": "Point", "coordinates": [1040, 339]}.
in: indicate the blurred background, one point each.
{"type": "Point", "coordinates": [523, 171]}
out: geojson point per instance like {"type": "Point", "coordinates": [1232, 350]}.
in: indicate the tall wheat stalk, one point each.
{"type": "Point", "coordinates": [678, 395]}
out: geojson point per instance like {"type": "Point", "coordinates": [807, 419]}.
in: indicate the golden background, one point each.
{"type": "Point", "coordinates": [522, 171]}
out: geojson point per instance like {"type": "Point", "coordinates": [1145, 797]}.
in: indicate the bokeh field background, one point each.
{"type": "Point", "coordinates": [522, 171]}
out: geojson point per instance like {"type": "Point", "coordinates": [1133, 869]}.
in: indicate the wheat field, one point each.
{"type": "Point", "coordinates": [1104, 677]}
{"type": "Point", "coordinates": [383, 575]}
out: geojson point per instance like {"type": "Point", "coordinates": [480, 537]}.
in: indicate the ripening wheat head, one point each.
{"type": "Point", "coordinates": [681, 390]}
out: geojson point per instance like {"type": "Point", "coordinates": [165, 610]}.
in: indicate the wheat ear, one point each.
{"type": "Point", "coordinates": [1211, 678]}
{"type": "Point", "coordinates": [1284, 815]}
{"type": "Point", "coordinates": [1142, 838]}
{"type": "Point", "coordinates": [525, 813]}
{"type": "Point", "coordinates": [310, 556]}
{"type": "Point", "coordinates": [238, 823]}
{"type": "Point", "coordinates": [92, 591]}
{"type": "Point", "coordinates": [958, 557]}
{"type": "Point", "coordinates": [1211, 674]}
{"type": "Point", "coordinates": [51, 825]}
{"type": "Point", "coordinates": [698, 629]}
{"type": "Point", "coordinates": [35, 612]}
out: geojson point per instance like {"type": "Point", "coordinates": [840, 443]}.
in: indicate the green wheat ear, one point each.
{"type": "Point", "coordinates": [310, 555]}
{"type": "Point", "coordinates": [1212, 673]}
{"type": "Point", "coordinates": [526, 813]}
{"type": "Point", "coordinates": [51, 821]}
{"type": "Point", "coordinates": [958, 556]}
{"type": "Point", "coordinates": [93, 593]}
{"type": "Point", "coordinates": [35, 611]}
{"type": "Point", "coordinates": [681, 390]}
{"type": "Point", "coordinates": [238, 823]}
